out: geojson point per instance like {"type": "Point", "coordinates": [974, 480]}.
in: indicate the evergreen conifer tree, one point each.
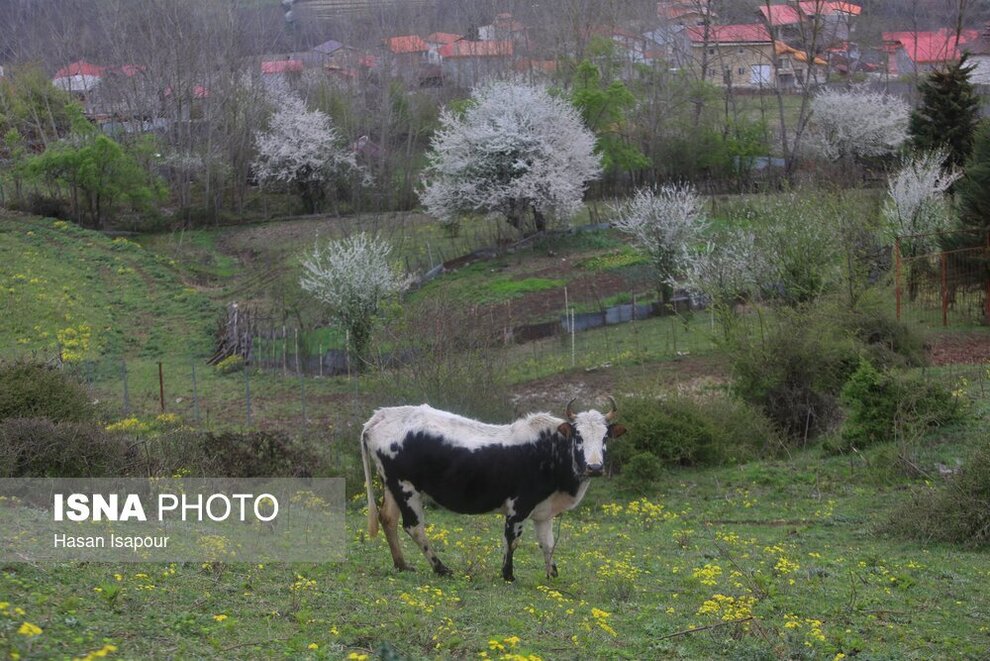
{"type": "Point", "coordinates": [949, 112]}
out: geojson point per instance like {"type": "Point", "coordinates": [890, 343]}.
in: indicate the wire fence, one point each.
{"type": "Point", "coordinates": [945, 286]}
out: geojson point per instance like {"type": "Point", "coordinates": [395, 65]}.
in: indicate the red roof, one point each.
{"type": "Point", "coordinates": [406, 44]}
{"type": "Point", "coordinates": [282, 66]}
{"type": "Point", "coordinates": [730, 34]}
{"type": "Point", "coordinates": [80, 68]}
{"type": "Point", "coordinates": [827, 8]}
{"type": "Point", "coordinates": [927, 47]}
{"type": "Point", "coordinates": [780, 15]}
{"type": "Point", "coordinates": [443, 38]}
{"type": "Point", "coordinates": [466, 48]}
{"type": "Point", "coordinates": [130, 70]}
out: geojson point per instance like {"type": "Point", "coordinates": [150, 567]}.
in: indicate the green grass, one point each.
{"type": "Point", "coordinates": [765, 560]}
{"type": "Point", "coordinates": [62, 285]}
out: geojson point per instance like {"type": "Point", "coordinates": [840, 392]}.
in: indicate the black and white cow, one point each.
{"type": "Point", "coordinates": [537, 466]}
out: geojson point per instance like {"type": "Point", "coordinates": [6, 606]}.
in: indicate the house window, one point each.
{"type": "Point", "coordinates": [740, 51]}
{"type": "Point", "coordinates": [711, 51]}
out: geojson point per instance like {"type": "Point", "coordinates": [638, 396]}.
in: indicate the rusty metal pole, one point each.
{"type": "Point", "coordinates": [897, 277]}
{"type": "Point", "coordinates": [161, 386]}
{"type": "Point", "coordinates": [945, 287]}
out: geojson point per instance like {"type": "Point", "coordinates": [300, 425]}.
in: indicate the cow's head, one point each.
{"type": "Point", "coordinates": [589, 432]}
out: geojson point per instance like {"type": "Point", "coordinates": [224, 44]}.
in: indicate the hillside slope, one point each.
{"type": "Point", "coordinates": [65, 287]}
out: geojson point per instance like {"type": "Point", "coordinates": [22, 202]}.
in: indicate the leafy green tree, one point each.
{"type": "Point", "coordinates": [949, 112]}
{"type": "Point", "coordinates": [98, 172]}
{"type": "Point", "coordinates": [604, 109]}
{"type": "Point", "coordinates": [32, 106]}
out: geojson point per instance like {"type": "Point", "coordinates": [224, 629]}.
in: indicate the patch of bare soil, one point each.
{"type": "Point", "coordinates": [970, 348]}
{"type": "Point", "coordinates": [592, 386]}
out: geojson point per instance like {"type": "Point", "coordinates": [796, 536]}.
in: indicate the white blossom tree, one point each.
{"type": "Point", "coordinates": [301, 150]}
{"type": "Point", "coordinates": [352, 277]}
{"type": "Point", "coordinates": [668, 225]}
{"type": "Point", "coordinates": [857, 124]}
{"type": "Point", "coordinates": [916, 201]}
{"type": "Point", "coordinates": [516, 150]}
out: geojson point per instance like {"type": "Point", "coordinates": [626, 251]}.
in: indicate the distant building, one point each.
{"type": "Point", "coordinates": [910, 53]}
{"type": "Point", "coordinates": [732, 55]}
{"type": "Point", "coordinates": [979, 57]}
{"type": "Point", "coordinates": [684, 12]}
{"type": "Point", "coordinates": [467, 63]}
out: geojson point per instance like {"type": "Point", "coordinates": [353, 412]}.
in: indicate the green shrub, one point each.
{"type": "Point", "coordinates": [884, 406]}
{"type": "Point", "coordinates": [258, 454]}
{"type": "Point", "coordinates": [33, 390]}
{"type": "Point", "coordinates": [38, 447]}
{"type": "Point", "coordinates": [793, 370]}
{"type": "Point", "coordinates": [230, 365]}
{"type": "Point", "coordinates": [682, 431]}
{"type": "Point", "coordinates": [887, 341]}
{"type": "Point", "coordinates": [956, 512]}
{"type": "Point", "coordinates": [642, 472]}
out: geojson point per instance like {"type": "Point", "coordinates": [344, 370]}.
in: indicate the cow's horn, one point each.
{"type": "Point", "coordinates": [569, 412]}
{"type": "Point", "coordinates": [611, 414]}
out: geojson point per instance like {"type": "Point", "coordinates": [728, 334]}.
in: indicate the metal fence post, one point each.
{"type": "Point", "coordinates": [247, 396]}
{"type": "Point", "coordinates": [195, 393]}
{"type": "Point", "coordinates": [897, 277]}
{"type": "Point", "coordinates": [161, 386]}
{"type": "Point", "coordinates": [127, 399]}
{"type": "Point", "coordinates": [944, 267]}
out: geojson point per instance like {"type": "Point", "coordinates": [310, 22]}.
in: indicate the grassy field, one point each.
{"type": "Point", "coordinates": [777, 559]}
{"type": "Point", "coordinates": [768, 560]}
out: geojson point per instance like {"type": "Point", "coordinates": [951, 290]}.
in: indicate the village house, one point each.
{"type": "Point", "coordinates": [506, 28]}
{"type": "Point", "coordinates": [684, 12]}
{"type": "Point", "coordinates": [732, 55]}
{"type": "Point", "coordinates": [466, 63]}
{"type": "Point", "coordinates": [979, 57]}
{"type": "Point", "coordinates": [816, 23]}
{"type": "Point", "coordinates": [913, 53]}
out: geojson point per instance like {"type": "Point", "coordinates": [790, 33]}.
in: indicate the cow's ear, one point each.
{"type": "Point", "coordinates": [615, 431]}
{"type": "Point", "coordinates": [566, 429]}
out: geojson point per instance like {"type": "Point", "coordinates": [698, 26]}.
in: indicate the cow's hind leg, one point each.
{"type": "Point", "coordinates": [411, 505]}
{"type": "Point", "coordinates": [513, 529]}
{"type": "Point", "coordinates": [389, 515]}
{"type": "Point", "coordinates": [544, 535]}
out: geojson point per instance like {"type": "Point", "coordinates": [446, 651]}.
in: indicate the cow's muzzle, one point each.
{"type": "Point", "coordinates": [594, 470]}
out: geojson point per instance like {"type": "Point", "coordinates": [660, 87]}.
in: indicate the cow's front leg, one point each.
{"type": "Point", "coordinates": [544, 535]}
{"type": "Point", "coordinates": [513, 529]}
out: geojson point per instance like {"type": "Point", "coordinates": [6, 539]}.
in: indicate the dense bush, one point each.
{"type": "Point", "coordinates": [33, 390]}
{"type": "Point", "coordinates": [795, 364]}
{"type": "Point", "coordinates": [258, 454]}
{"type": "Point", "coordinates": [37, 447]}
{"type": "Point", "coordinates": [887, 341]}
{"type": "Point", "coordinates": [793, 370]}
{"type": "Point", "coordinates": [681, 431]}
{"type": "Point", "coordinates": [884, 406]}
{"type": "Point", "coordinates": [957, 512]}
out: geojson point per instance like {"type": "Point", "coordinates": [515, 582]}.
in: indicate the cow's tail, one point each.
{"type": "Point", "coordinates": [372, 507]}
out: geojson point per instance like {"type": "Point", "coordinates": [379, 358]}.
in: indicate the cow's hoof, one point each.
{"type": "Point", "coordinates": [405, 567]}
{"type": "Point", "coordinates": [443, 570]}
{"type": "Point", "coordinates": [508, 577]}
{"type": "Point", "coordinates": [553, 572]}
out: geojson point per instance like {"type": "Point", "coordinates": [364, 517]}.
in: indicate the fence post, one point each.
{"type": "Point", "coordinates": [247, 396]}
{"type": "Point", "coordinates": [195, 393]}
{"type": "Point", "coordinates": [127, 398]}
{"type": "Point", "coordinates": [161, 386]}
{"type": "Point", "coordinates": [944, 267]}
{"type": "Point", "coordinates": [302, 395]}
{"type": "Point", "coordinates": [897, 277]}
